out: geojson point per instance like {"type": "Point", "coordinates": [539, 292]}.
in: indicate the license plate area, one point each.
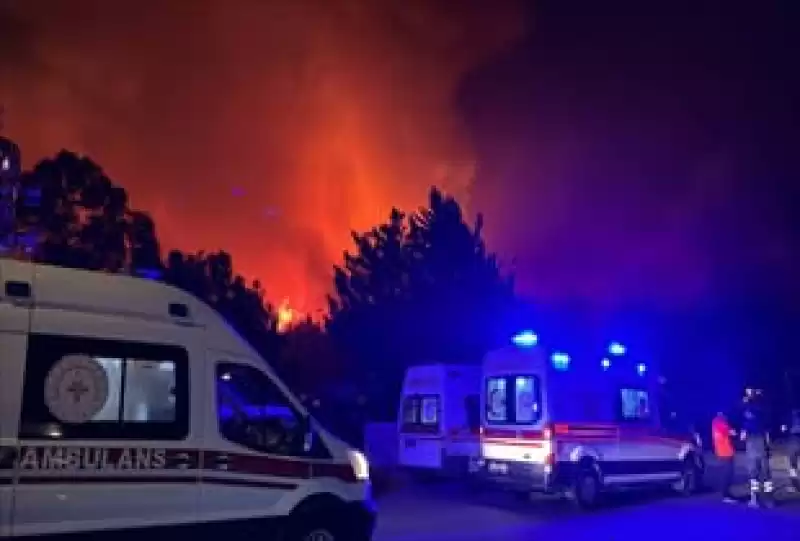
{"type": "Point", "coordinates": [498, 468]}
{"type": "Point", "coordinates": [780, 462]}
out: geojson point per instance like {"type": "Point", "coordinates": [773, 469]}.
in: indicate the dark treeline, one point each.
{"type": "Point", "coordinates": [421, 287]}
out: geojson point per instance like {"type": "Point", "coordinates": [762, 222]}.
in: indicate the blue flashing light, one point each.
{"type": "Point", "coordinates": [525, 339]}
{"type": "Point", "coordinates": [148, 274]}
{"type": "Point", "coordinates": [615, 348]}
{"type": "Point", "coordinates": [606, 363]}
{"type": "Point", "coordinates": [560, 361]}
{"type": "Point", "coordinates": [641, 369]}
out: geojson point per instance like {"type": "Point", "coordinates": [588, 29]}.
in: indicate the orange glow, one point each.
{"type": "Point", "coordinates": [286, 316]}
{"type": "Point", "coordinates": [269, 129]}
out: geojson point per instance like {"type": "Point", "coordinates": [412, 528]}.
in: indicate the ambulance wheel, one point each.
{"type": "Point", "coordinates": [310, 529]}
{"type": "Point", "coordinates": [322, 519]}
{"type": "Point", "coordinates": [691, 478]}
{"type": "Point", "coordinates": [587, 488]}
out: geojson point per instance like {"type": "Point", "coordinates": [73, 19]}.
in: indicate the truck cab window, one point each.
{"type": "Point", "coordinates": [254, 413]}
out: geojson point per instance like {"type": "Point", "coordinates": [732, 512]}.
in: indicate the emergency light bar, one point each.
{"type": "Point", "coordinates": [525, 339]}
{"type": "Point", "coordinates": [560, 361]}
{"type": "Point", "coordinates": [615, 348]}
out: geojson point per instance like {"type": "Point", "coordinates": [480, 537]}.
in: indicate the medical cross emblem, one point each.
{"type": "Point", "coordinates": [77, 389]}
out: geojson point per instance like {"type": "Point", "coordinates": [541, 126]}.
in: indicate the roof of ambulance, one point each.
{"type": "Point", "coordinates": [119, 295]}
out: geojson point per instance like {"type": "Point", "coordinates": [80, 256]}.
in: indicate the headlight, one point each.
{"type": "Point", "coordinates": [359, 464]}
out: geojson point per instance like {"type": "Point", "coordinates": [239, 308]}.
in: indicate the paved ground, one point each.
{"type": "Point", "coordinates": [450, 513]}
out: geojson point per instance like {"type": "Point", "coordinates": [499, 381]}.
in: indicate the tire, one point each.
{"type": "Point", "coordinates": [691, 478]}
{"type": "Point", "coordinates": [586, 488]}
{"type": "Point", "coordinates": [308, 528]}
{"type": "Point", "coordinates": [325, 521]}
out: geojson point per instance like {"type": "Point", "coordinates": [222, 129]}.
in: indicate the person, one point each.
{"type": "Point", "coordinates": [756, 438]}
{"type": "Point", "coordinates": [721, 433]}
{"type": "Point", "coordinates": [794, 449]}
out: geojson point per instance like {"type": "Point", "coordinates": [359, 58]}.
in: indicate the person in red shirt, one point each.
{"type": "Point", "coordinates": [721, 433]}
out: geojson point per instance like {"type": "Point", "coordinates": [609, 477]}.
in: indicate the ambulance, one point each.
{"type": "Point", "coordinates": [128, 406]}
{"type": "Point", "coordinates": [439, 419]}
{"type": "Point", "coordinates": [577, 429]}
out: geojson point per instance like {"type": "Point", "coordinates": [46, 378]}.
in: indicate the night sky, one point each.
{"type": "Point", "coordinates": [623, 155]}
{"type": "Point", "coordinates": [643, 155]}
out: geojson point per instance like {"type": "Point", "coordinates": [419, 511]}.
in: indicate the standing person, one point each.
{"type": "Point", "coordinates": [756, 438]}
{"type": "Point", "coordinates": [721, 433]}
{"type": "Point", "coordinates": [794, 449]}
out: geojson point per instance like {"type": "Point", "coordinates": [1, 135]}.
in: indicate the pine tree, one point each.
{"type": "Point", "coordinates": [418, 288]}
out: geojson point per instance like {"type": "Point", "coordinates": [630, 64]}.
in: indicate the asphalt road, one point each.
{"type": "Point", "coordinates": [447, 512]}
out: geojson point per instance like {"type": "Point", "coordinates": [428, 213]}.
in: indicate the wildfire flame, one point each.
{"type": "Point", "coordinates": [286, 316]}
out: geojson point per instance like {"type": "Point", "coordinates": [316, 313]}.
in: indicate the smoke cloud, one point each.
{"type": "Point", "coordinates": [270, 129]}
{"type": "Point", "coordinates": [638, 158]}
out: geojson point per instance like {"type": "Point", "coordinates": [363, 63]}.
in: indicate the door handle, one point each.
{"type": "Point", "coordinates": [222, 462]}
{"type": "Point", "coordinates": [183, 461]}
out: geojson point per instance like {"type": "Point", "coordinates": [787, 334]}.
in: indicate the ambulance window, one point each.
{"type": "Point", "coordinates": [139, 390]}
{"type": "Point", "coordinates": [254, 413]}
{"type": "Point", "coordinates": [496, 409]}
{"type": "Point", "coordinates": [513, 400]}
{"type": "Point", "coordinates": [81, 388]}
{"type": "Point", "coordinates": [430, 410]}
{"type": "Point", "coordinates": [525, 402]}
{"type": "Point", "coordinates": [411, 407]}
{"type": "Point", "coordinates": [421, 413]}
{"type": "Point", "coordinates": [635, 405]}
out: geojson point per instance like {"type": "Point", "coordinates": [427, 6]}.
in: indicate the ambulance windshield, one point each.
{"type": "Point", "coordinates": [513, 400]}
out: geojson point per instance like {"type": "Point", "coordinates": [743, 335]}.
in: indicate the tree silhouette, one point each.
{"type": "Point", "coordinates": [75, 216]}
{"type": "Point", "coordinates": [210, 277]}
{"type": "Point", "coordinates": [308, 360]}
{"type": "Point", "coordinates": [419, 288]}
{"type": "Point", "coordinates": [143, 245]}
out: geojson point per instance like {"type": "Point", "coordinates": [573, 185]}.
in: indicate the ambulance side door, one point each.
{"type": "Point", "coordinates": [254, 466]}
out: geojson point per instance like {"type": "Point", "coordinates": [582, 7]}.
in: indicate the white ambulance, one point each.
{"type": "Point", "coordinates": [129, 406]}
{"type": "Point", "coordinates": [439, 418]}
{"type": "Point", "coordinates": [576, 428]}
